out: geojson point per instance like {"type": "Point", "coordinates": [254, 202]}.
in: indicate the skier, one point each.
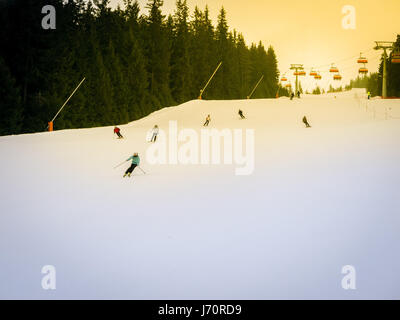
{"type": "Point", "coordinates": [117, 131]}
{"type": "Point", "coordinates": [208, 119]}
{"type": "Point", "coordinates": [306, 122]}
{"type": "Point", "coordinates": [292, 96]}
{"type": "Point", "coordinates": [155, 133]}
{"type": "Point", "coordinates": [241, 114]}
{"type": "Point", "coordinates": [135, 162]}
{"type": "Point", "coordinates": [369, 95]}
{"type": "Point", "coordinates": [298, 94]}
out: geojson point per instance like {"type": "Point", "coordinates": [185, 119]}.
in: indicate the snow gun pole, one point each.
{"type": "Point", "coordinates": [277, 92]}
{"type": "Point", "coordinates": [51, 122]}
{"type": "Point", "coordinates": [209, 80]}
{"type": "Point", "coordinates": [251, 93]}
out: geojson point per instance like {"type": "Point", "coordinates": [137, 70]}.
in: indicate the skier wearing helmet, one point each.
{"type": "Point", "coordinates": [135, 162]}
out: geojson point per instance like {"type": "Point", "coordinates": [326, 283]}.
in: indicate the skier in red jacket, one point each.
{"type": "Point", "coordinates": [117, 132]}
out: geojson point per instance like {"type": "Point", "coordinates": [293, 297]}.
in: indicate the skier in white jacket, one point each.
{"type": "Point", "coordinates": [155, 133]}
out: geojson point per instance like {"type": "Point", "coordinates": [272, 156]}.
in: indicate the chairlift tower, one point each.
{"type": "Point", "coordinates": [297, 68]}
{"type": "Point", "coordinates": [384, 45]}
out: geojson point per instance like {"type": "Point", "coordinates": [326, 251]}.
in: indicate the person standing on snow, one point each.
{"type": "Point", "coordinates": [155, 133]}
{"type": "Point", "coordinates": [291, 96]}
{"type": "Point", "coordinates": [306, 122]}
{"type": "Point", "coordinates": [241, 114]}
{"type": "Point", "coordinates": [369, 95]}
{"type": "Point", "coordinates": [135, 162]}
{"type": "Point", "coordinates": [208, 119]}
{"type": "Point", "coordinates": [298, 94]}
{"type": "Point", "coordinates": [117, 131]}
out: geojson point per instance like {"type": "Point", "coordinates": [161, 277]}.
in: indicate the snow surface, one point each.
{"type": "Point", "coordinates": [319, 199]}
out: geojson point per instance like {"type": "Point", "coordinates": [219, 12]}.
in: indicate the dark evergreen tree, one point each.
{"type": "Point", "coordinates": [202, 57]}
{"type": "Point", "coordinates": [158, 52]}
{"type": "Point", "coordinates": [394, 72]}
{"type": "Point", "coordinates": [181, 76]}
{"type": "Point", "coordinates": [244, 63]}
{"type": "Point", "coordinates": [219, 89]}
{"type": "Point", "coordinates": [10, 103]}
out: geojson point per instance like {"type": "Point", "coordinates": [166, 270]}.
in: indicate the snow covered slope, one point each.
{"type": "Point", "coordinates": [318, 199]}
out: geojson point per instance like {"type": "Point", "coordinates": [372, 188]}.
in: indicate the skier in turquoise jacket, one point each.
{"type": "Point", "coordinates": [135, 162]}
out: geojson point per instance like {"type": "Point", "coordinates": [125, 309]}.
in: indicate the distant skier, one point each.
{"type": "Point", "coordinates": [298, 94]}
{"type": "Point", "coordinates": [208, 119]}
{"type": "Point", "coordinates": [117, 131]}
{"type": "Point", "coordinates": [369, 95]}
{"type": "Point", "coordinates": [306, 122]}
{"type": "Point", "coordinates": [135, 162]}
{"type": "Point", "coordinates": [155, 134]}
{"type": "Point", "coordinates": [241, 114]}
{"type": "Point", "coordinates": [292, 96]}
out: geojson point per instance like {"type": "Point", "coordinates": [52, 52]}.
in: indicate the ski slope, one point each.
{"type": "Point", "coordinates": [318, 199]}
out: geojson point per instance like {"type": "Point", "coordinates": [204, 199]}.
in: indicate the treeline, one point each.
{"type": "Point", "coordinates": [318, 90]}
{"type": "Point", "coordinates": [333, 90]}
{"type": "Point", "coordinates": [373, 82]}
{"type": "Point", "coordinates": [134, 63]}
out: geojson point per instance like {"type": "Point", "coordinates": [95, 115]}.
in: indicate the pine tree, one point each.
{"type": "Point", "coordinates": [158, 54]}
{"type": "Point", "coordinates": [272, 72]}
{"type": "Point", "coordinates": [243, 61]}
{"type": "Point", "coordinates": [202, 58]}
{"type": "Point", "coordinates": [139, 99]}
{"type": "Point", "coordinates": [181, 76]}
{"type": "Point", "coordinates": [219, 89]}
{"type": "Point", "coordinates": [394, 73]}
{"type": "Point", "coordinates": [10, 103]}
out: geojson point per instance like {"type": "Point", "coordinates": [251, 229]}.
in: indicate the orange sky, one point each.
{"type": "Point", "coordinates": [309, 31]}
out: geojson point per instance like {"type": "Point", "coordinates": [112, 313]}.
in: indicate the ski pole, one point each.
{"type": "Point", "coordinates": [120, 164]}
{"type": "Point", "coordinates": [142, 170]}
